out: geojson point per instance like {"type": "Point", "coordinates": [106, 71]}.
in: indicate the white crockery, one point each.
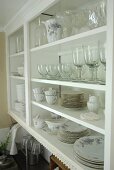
{"type": "Point", "coordinates": [51, 99]}
{"type": "Point", "coordinates": [38, 90]}
{"type": "Point", "coordinates": [55, 124]}
{"type": "Point", "coordinates": [50, 92]}
{"type": "Point", "coordinates": [39, 97]}
{"type": "Point", "coordinates": [20, 71]}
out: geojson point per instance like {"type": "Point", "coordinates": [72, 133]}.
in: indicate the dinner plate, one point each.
{"type": "Point", "coordinates": [91, 147]}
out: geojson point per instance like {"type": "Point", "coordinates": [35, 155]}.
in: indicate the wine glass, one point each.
{"type": "Point", "coordinates": [102, 56]}
{"type": "Point", "coordinates": [78, 60]}
{"type": "Point", "coordinates": [40, 33]}
{"type": "Point", "coordinates": [42, 70]}
{"type": "Point", "coordinates": [91, 55]}
{"type": "Point", "coordinates": [65, 71]}
{"type": "Point", "coordinates": [52, 71]}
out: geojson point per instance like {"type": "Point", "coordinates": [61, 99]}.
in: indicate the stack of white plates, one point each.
{"type": "Point", "coordinates": [20, 107]}
{"type": "Point", "coordinates": [89, 151]}
{"type": "Point", "coordinates": [20, 90]}
{"type": "Point", "coordinates": [71, 132]}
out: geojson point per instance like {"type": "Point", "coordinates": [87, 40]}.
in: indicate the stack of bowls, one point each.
{"type": "Point", "coordinates": [51, 96]}
{"type": "Point", "coordinates": [20, 89]}
{"type": "Point", "coordinates": [39, 94]}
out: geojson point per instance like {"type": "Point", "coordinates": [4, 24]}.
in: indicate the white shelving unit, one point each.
{"type": "Point", "coordinates": [48, 53]}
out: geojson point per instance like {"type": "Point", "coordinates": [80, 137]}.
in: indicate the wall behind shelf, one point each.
{"type": "Point", "coordinates": [4, 118]}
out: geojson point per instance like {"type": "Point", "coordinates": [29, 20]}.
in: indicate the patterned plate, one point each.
{"type": "Point", "coordinates": [91, 147]}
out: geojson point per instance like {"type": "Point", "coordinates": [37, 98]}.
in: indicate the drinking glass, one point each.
{"type": "Point", "coordinates": [65, 71]}
{"type": "Point", "coordinates": [91, 55]}
{"type": "Point", "coordinates": [42, 70]}
{"type": "Point", "coordinates": [64, 19]}
{"type": "Point", "coordinates": [79, 21]}
{"type": "Point", "coordinates": [102, 56]}
{"type": "Point", "coordinates": [52, 71]}
{"type": "Point", "coordinates": [40, 33]}
{"type": "Point", "coordinates": [101, 11]}
{"type": "Point", "coordinates": [78, 60]}
{"type": "Point", "coordinates": [93, 17]}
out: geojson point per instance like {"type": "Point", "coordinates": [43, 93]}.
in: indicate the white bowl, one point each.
{"type": "Point", "coordinates": [55, 124]}
{"type": "Point", "coordinates": [50, 92]}
{"type": "Point", "coordinates": [39, 97]}
{"type": "Point", "coordinates": [51, 99]}
{"type": "Point", "coordinates": [38, 90]}
{"type": "Point", "coordinates": [38, 124]}
{"type": "Point", "coordinates": [20, 71]}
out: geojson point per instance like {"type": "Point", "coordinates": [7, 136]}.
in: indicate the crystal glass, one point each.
{"type": "Point", "coordinates": [42, 70]}
{"type": "Point", "coordinates": [52, 71]}
{"type": "Point", "coordinates": [101, 11]}
{"type": "Point", "coordinates": [91, 55]}
{"type": "Point", "coordinates": [102, 56]}
{"type": "Point", "coordinates": [79, 21]}
{"type": "Point", "coordinates": [64, 19]}
{"type": "Point", "coordinates": [78, 60]}
{"type": "Point", "coordinates": [65, 71]}
{"type": "Point", "coordinates": [40, 35]}
{"type": "Point", "coordinates": [93, 17]}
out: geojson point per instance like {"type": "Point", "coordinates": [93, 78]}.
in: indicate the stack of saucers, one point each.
{"type": "Point", "coordinates": [71, 132]}
{"type": "Point", "coordinates": [73, 100]}
{"type": "Point", "coordinates": [89, 151]}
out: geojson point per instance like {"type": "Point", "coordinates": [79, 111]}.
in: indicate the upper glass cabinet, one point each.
{"type": "Point", "coordinates": [66, 19]}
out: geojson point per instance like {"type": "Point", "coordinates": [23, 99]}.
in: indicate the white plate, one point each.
{"type": "Point", "coordinates": [101, 167]}
{"type": "Point", "coordinates": [74, 127]}
{"type": "Point", "coordinates": [91, 147]}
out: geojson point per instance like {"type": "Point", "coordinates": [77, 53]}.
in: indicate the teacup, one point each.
{"type": "Point", "coordinates": [39, 97]}
{"type": "Point", "coordinates": [51, 99]}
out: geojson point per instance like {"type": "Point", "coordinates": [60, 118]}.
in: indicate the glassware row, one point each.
{"type": "Point", "coordinates": [85, 60]}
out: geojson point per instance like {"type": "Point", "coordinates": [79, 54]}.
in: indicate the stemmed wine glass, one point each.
{"type": "Point", "coordinates": [42, 70]}
{"type": "Point", "coordinates": [102, 56]}
{"type": "Point", "coordinates": [78, 60]}
{"type": "Point", "coordinates": [91, 55]}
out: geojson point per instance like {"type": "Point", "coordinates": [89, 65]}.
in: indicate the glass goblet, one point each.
{"type": "Point", "coordinates": [78, 60]}
{"type": "Point", "coordinates": [102, 56]}
{"type": "Point", "coordinates": [91, 55]}
{"type": "Point", "coordinates": [52, 71]}
{"type": "Point", "coordinates": [65, 71]}
{"type": "Point", "coordinates": [42, 70]}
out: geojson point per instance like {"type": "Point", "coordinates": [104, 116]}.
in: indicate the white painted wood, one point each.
{"type": "Point", "coordinates": [27, 73]}
{"type": "Point", "coordinates": [17, 54]}
{"type": "Point", "coordinates": [71, 84]}
{"type": "Point", "coordinates": [92, 34]}
{"type": "Point", "coordinates": [109, 111]}
{"type": "Point", "coordinates": [17, 77]}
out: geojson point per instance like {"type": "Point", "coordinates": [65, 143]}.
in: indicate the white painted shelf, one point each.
{"type": "Point", "coordinates": [74, 115]}
{"type": "Point", "coordinates": [17, 77]}
{"type": "Point", "coordinates": [91, 33]}
{"type": "Point", "coordinates": [63, 151]}
{"type": "Point", "coordinates": [71, 84]}
{"type": "Point", "coordinates": [17, 54]}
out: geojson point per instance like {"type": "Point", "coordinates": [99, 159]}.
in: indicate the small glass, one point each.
{"type": "Point", "coordinates": [65, 71]}
{"type": "Point", "coordinates": [78, 60]}
{"type": "Point", "coordinates": [52, 71]}
{"type": "Point", "coordinates": [102, 56]}
{"type": "Point", "coordinates": [42, 70]}
{"type": "Point", "coordinates": [40, 33]}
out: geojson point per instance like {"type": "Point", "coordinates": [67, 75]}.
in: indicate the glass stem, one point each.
{"type": "Point", "coordinates": [79, 73]}
{"type": "Point", "coordinates": [91, 70]}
